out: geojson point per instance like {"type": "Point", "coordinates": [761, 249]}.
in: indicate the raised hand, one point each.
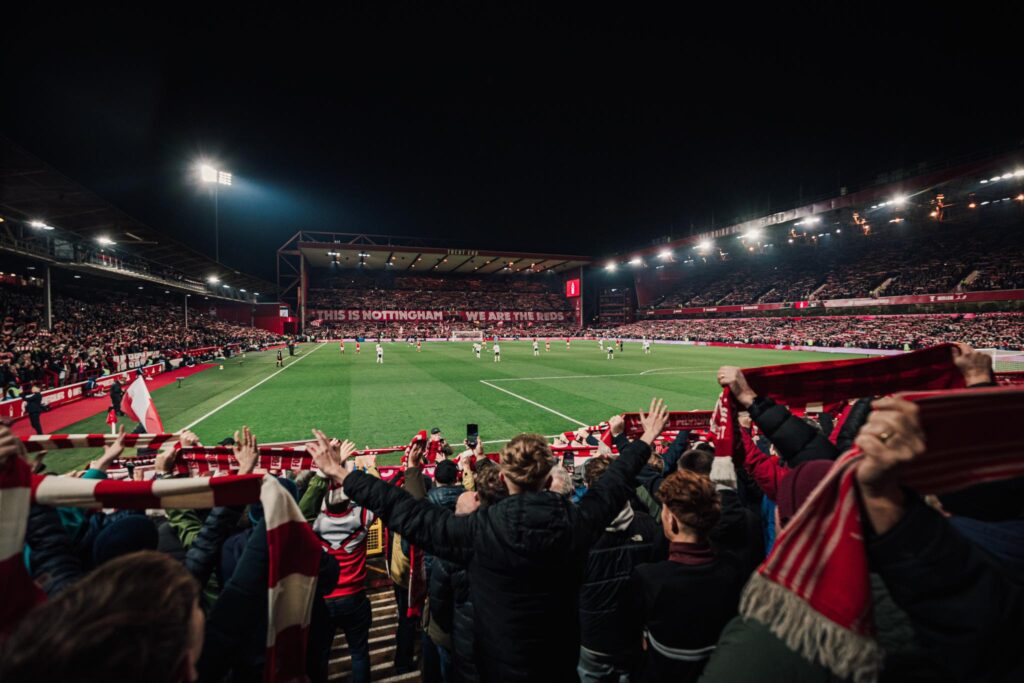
{"type": "Point", "coordinates": [654, 421]}
{"type": "Point", "coordinates": [892, 435]}
{"type": "Point", "coordinates": [732, 377]}
{"type": "Point", "coordinates": [414, 454]}
{"type": "Point", "coordinates": [246, 452]}
{"type": "Point", "coordinates": [329, 455]}
{"type": "Point", "coordinates": [111, 452]}
{"type": "Point", "coordinates": [189, 439]}
{"type": "Point", "coordinates": [165, 458]}
{"type": "Point", "coordinates": [616, 424]}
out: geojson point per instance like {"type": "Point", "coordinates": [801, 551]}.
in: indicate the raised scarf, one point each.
{"type": "Point", "coordinates": [813, 591]}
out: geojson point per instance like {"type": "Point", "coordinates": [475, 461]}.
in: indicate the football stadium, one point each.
{"type": "Point", "coordinates": [403, 383]}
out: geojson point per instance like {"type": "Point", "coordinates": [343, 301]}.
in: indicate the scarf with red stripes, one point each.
{"type": "Point", "coordinates": [294, 552]}
{"type": "Point", "coordinates": [813, 591]}
{"type": "Point", "coordinates": [828, 385]}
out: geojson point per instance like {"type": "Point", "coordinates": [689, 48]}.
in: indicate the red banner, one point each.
{"type": "Point", "coordinates": [440, 316]}
{"type": "Point", "coordinates": [677, 421]}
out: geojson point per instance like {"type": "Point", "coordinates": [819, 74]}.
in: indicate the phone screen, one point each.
{"type": "Point", "coordinates": [472, 434]}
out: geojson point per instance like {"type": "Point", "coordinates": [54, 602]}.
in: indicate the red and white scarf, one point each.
{"type": "Point", "coordinates": [829, 384]}
{"type": "Point", "coordinates": [813, 591]}
{"type": "Point", "coordinates": [294, 552]}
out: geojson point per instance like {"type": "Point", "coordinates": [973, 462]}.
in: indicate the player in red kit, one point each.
{"type": "Point", "coordinates": [419, 345]}
{"type": "Point", "coordinates": [357, 347]}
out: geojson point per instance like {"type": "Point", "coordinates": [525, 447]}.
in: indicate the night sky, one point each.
{"type": "Point", "coordinates": [539, 130]}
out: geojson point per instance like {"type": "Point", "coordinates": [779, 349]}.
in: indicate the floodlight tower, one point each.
{"type": "Point", "coordinates": [216, 177]}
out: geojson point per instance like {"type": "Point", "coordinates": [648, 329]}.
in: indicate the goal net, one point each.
{"type": "Point", "coordinates": [1005, 361]}
{"type": "Point", "coordinates": [467, 335]}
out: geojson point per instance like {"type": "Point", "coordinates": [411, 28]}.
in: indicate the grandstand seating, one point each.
{"type": "Point", "coordinates": [94, 326]}
{"type": "Point", "coordinates": [997, 330]}
{"type": "Point", "coordinates": [365, 291]}
{"type": "Point", "coordinates": [893, 260]}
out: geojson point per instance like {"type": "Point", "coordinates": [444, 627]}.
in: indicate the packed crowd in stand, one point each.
{"type": "Point", "coordinates": [893, 260]}
{"type": "Point", "coordinates": [982, 330]}
{"type": "Point", "coordinates": [391, 291]}
{"type": "Point", "coordinates": [88, 335]}
{"type": "Point", "coordinates": [641, 565]}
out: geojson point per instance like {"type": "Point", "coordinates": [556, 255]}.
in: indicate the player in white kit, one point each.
{"type": "Point", "coordinates": [380, 354]}
{"type": "Point", "coordinates": [497, 353]}
{"type": "Point", "coordinates": [647, 346]}
{"type": "Point", "coordinates": [476, 349]}
{"type": "Point", "coordinates": [536, 348]}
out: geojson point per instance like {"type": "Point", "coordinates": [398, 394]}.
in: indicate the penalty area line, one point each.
{"type": "Point", "coordinates": [534, 403]}
{"type": "Point", "coordinates": [234, 398]}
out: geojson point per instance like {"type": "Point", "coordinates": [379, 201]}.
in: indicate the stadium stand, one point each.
{"type": "Point", "coordinates": [891, 260]}
{"type": "Point", "coordinates": [996, 330]}
{"type": "Point", "coordinates": [96, 325]}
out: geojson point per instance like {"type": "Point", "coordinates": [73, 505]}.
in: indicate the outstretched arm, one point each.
{"type": "Point", "coordinates": [607, 497]}
{"type": "Point", "coordinates": [423, 524]}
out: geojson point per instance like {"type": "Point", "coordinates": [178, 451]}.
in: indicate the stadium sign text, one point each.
{"type": "Point", "coordinates": [438, 316]}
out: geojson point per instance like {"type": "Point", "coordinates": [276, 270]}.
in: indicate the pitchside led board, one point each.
{"type": "Point", "coordinates": [572, 288]}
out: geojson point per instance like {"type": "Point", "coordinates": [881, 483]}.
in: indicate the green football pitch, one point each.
{"type": "Point", "coordinates": [443, 386]}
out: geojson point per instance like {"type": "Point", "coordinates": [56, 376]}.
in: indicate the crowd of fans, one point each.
{"type": "Point", "coordinates": [630, 568]}
{"type": "Point", "coordinates": [89, 336]}
{"type": "Point", "coordinates": [391, 291]}
{"type": "Point", "coordinates": [902, 332]}
{"type": "Point", "coordinates": [890, 261]}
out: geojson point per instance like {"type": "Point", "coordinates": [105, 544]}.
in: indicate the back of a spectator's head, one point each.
{"type": "Point", "coordinates": [561, 481]}
{"type": "Point", "coordinates": [490, 487]}
{"type": "Point", "coordinates": [136, 618]}
{"type": "Point", "coordinates": [692, 500]}
{"type": "Point", "coordinates": [697, 460]}
{"type": "Point", "coordinates": [526, 462]}
{"type": "Point", "coordinates": [126, 535]}
{"type": "Point", "coordinates": [593, 469]}
{"type": "Point", "coordinates": [445, 472]}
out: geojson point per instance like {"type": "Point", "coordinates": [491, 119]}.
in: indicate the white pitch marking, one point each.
{"type": "Point", "coordinates": [531, 402]}
{"type": "Point", "coordinates": [265, 379]}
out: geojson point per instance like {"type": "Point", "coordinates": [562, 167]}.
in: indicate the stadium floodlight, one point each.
{"type": "Point", "coordinates": [754, 234]}
{"type": "Point", "coordinates": [105, 241]}
{"type": "Point", "coordinates": [899, 200]}
{"type": "Point", "coordinates": [41, 225]}
{"type": "Point", "coordinates": [611, 266]}
{"type": "Point", "coordinates": [213, 279]}
{"type": "Point", "coordinates": [1020, 197]}
{"type": "Point", "coordinates": [636, 261]}
{"type": "Point", "coordinates": [1018, 173]}
{"type": "Point", "coordinates": [215, 177]}
{"type": "Point", "coordinates": [812, 220]}
{"type": "Point", "coordinates": [241, 290]}
{"type": "Point", "coordinates": [1006, 176]}
{"type": "Point", "coordinates": [705, 245]}
{"type": "Point", "coordinates": [994, 179]}
{"type": "Point", "coordinates": [226, 286]}
{"type": "Point", "coordinates": [665, 254]}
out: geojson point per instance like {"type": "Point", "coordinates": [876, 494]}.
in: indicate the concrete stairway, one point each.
{"type": "Point", "coordinates": [382, 644]}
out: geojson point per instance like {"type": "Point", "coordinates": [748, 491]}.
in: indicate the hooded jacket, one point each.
{"type": "Point", "coordinates": [525, 557]}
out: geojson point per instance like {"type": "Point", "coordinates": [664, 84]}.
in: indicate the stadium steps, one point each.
{"type": "Point", "coordinates": [382, 644]}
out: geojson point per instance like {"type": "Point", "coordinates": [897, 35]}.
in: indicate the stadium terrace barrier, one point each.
{"type": "Point", "coordinates": [860, 302]}
{"type": "Point", "coordinates": [14, 408]}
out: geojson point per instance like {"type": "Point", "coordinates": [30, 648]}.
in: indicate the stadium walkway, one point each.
{"type": "Point", "coordinates": [382, 643]}
{"type": "Point", "coordinates": [59, 418]}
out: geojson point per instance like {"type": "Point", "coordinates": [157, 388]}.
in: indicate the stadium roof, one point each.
{"type": "Point", "coordinates": [376, 252]}
{"type": "Point", "coordinates": [33, 192]}
{"type": "Point", "coordinates": [959, 180]}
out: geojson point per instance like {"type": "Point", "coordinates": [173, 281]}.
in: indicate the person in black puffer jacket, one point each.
{"type": "Point", "coordinates": [607, 651]}
{"type": "Point", "coordinates": [525, 554]}
{"type": "Point", "coordinates": [450, 601]}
